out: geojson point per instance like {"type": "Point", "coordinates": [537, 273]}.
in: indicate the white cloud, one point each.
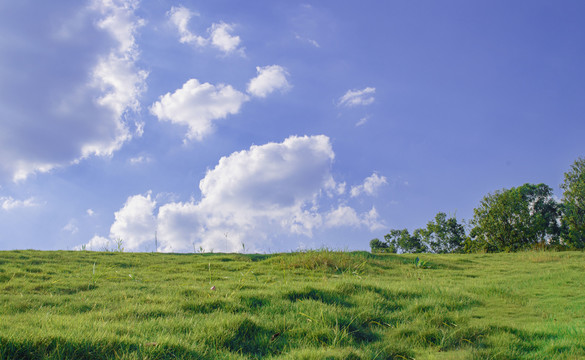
{"type": "Point", "coordinates": [90, 212]}
{"type": "Point", "coordinates": [197, 105]}
{"type": "Point", "coordinates": [220, 35]}
{"type": "Point", "coordinates": [253, 196]}
{"type": "Point", "coordinates": [180, 17]}
{"type": "Point", "coordinates": [342, 216]}
{"type": "Point", "coordinates": [347, 216]}
{"type": "Point", "coordinates": [307, 40]}
{"type": "Point", "coordinates": [372, 220]}
{"type": "Point", "coordinates": [74, 95]}
{"type": "Point", "coordinates": [97, 243]}
{"type": "Point", "coordinates": [134, 225]}
{"type": "Point", "coordinates": [135, 222]}
{"type": "Point", "coordinates": [140, 160]}
{"type": "Point", "coordinates": [357, 97]}
{"type": "Point", "coordinates": [9, 203]}
{"type": "Point", "coordinates": [270, 78]}
{"type": "Point", "coordinates": [71, 227]}
{"type": "Point", "coordinates": [370, 185]}
{"type": "Point", "coordinates": [362, 121]}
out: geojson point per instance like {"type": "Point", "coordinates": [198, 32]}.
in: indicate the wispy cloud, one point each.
{"type": "Point", "coordinates": [307, 40]}
{"type": "Point", "coordinates": [140, 160]}
{"type": "Point", "coordinates": [344, 215]}
{"type": "Point", "coordinates": [71, 227]}
{"type": "Point", "coordinates": [180, 17]}
{"type": "Point", "coordinates": [9, 203]}
{"type": "Point", "coordinates": [362, 121]}
{"type": "Point", "coordinates": [370, 185]}
{"type": "Point", "coordinates": [219, 34]}
{"type": "Point", "coordinates": [357, 97]}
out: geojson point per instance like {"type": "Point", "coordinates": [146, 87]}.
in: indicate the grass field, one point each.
{"type": "Point", "coordinates": [307, 305]}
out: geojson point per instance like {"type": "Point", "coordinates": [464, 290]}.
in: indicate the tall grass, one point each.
{"type": "Point", "coordinates": [306, 305]}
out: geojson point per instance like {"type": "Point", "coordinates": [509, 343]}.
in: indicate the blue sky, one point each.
{"type": "Point", "coordinates": [280, 125]}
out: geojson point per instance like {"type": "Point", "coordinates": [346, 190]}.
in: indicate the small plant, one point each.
{"type": "Point", "coordinates": [119, 245]}
{"type": "Point", "coordinates": [421, 264]}
{"type": "Point", "coordinates": [84, 247]}
{"type": "Point", "coordinates": [92, 282]}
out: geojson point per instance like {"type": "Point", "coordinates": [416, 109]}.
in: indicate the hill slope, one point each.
{"type": "Point", "coordinates": [309, 305]}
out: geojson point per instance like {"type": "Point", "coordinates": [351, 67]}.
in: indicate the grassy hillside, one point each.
{"type": "Point", "coordinates": [310, 305]}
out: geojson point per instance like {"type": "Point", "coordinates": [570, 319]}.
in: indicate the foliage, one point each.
{"type": "Point", "coordinates": [514, 219]}
{"type": "Point", "coordinates": [421, 264]}
{"type": "Point", "coordinates": [444, 235]}
{"type": "Point", "coordinates": [403, 241]}
{"type": "Point", "coordinates": [440, 236]}
{"type": "Point", "coordinates": [308, 305]}
{"type": "Point", "coordinates": [378, 246]}
{"type": "Point", "coordinates": [574, 205]}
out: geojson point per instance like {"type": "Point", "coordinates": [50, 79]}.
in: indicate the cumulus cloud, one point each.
{"type": "Point", "coordinates": [134, 224]}
{"type": "Point", "coordinates": [97, 243]}
{"type": "Point", "coordinates": [69, 99]}
{"type": "Point", "coordinates": [251, 196]}
{"type": "Point", "coordinates": [357, 97]}
{"type": "Point", "coordinates": [269, 79]}
{"type": "Point", "coordinates": [370, 185]}
{"type": "Point", "coordinates": [219, 37]}
{"type": "Point", "coordinates": [9, 203]}
{"type": "Point", "coordinates": [197, 105]}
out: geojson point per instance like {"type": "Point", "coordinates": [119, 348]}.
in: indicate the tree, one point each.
{"type": "Point", "coordinates": [378, 246]}
{"type": "Point", "coordinates": [573, 205]}
{"type": "Point", "coordinates": [444, 235]}
{"type": "Point", "coordinates": [514, 219]}
{"type": "Point", "coordinates": [402, 241]}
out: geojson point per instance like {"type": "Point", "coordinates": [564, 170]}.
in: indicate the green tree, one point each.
{"type": "Point", "coordinates": [403, 241]}
{"type": "Point", "coordinates": [514, 219]}
{"type": "Point", "coordinates": [444, 235]}
{"type": "Point", "coordinates": [573, 205]}
{"type": "Point", "coordinates": [378, 246]}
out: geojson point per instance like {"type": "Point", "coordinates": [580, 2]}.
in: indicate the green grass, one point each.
{"type": "Point", "coordinates": [307, 305]}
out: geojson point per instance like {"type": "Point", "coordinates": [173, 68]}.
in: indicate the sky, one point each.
{"type": "Point", "coordinates": [271, 126]}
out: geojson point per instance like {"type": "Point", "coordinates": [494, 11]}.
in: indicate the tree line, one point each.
{"type": "Point", "coordinates": [508, 220]}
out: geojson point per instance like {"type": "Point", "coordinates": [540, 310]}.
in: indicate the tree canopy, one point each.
{"type": "Point", "coordinates": [573, 205]}
{"type": "Point", "coordinates": [444, 235]}
{"type": "Point", "coordinates": [514, 219]}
